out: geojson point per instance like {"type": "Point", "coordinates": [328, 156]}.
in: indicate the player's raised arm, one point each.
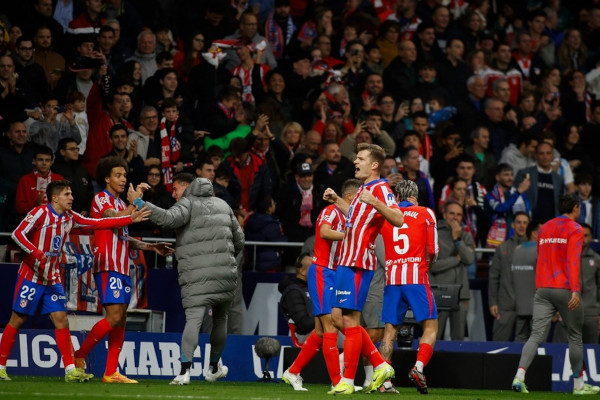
{"type": "Point", "coordinates": [331, 196]}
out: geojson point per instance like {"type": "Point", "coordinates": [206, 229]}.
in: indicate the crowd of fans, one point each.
{"type": "Point", "coordinates": [488, 105]}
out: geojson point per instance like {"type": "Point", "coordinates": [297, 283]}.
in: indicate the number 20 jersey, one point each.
{"type": "Point", "coordinates": [408, 247]}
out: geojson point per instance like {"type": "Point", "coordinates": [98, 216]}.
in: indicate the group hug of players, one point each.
{"type": "Point", "coordinates": [344, 263]}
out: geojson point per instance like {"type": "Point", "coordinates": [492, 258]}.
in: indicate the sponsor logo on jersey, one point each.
{"type": "Point", "coordinates": [54, 297]}
{"type": "Point", "coordinates": [56, 242]}
{"type": "Point", "coordinates": [342, 292]}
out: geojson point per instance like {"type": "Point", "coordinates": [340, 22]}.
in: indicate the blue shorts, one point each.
{"type": "Point", "coordinates": [113, 287]}
{"type": "Point", "coordinates": [321, 283]}
{"type": "Point", "coordinates": [397, 299]}
{"type": "Point", "coordinates": [29, 296]}
{"type": "Point", "coordinates": [352, 287]}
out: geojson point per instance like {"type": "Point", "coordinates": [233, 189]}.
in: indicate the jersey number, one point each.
{"type": "Point", "coordinates": [115, 283]}
{"type": "Point", "coordinates": [401, 239]}
{"type": "Point", "coordinates": [27, 293]}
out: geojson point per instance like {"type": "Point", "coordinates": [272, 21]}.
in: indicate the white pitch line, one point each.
{"type": "Point", "coordinates": [133, 396]}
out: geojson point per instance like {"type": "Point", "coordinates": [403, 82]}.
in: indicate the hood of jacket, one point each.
{"type": "Point", "coordinates": [200, 187]}
{"type": "Point", "coordinates": [288, 281]}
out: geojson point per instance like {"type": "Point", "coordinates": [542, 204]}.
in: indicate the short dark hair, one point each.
{"type": "Point", "coordinates": [169, 103]}
{"type": "Point", "coordinates": [465, 158]}
{"type": "Point", "coordinates": [21, 39]}
{"type": "Point", "coordinates": [412, 133]}
{"type": "Point", "coordinates": [532, 226]}
{"type": "Point", "coordinates": [518, 213]}
{"type": "Point", "coordinates": [376, 153]}
{"type": "Point", "coordinates": [105, 167]}
{"type": "Point", "coordinates": [43, 150]}
{"type": "Point", "coordinates": [62, 143]}
{"type": "Point", "coordinates": [115, 128]}
{"type": "Point", "coordinates": [406, 151]}
{"type": "Point", "coordinates": [106, 28]}
{"type": "Point", "coordinates": [184, 177]}
{"type": "Point", "coordinates": [56, 187]}
{"type": "Point", "coordinates": [586, 226]}
{"type": "Point", "coordinates": [583, 177]}
{"type": "Point", "coordinates": [264, 203]}
{"type": "Point", "coordinates": [351, 184]}
{"type": "Point", "coordinates": [419, 114]}
{"type": "Point", "coordinates": [503, 167]}
{"type": "Point", "coordinates": [163, 56]}
{"type": "Point", "coordinates": [567, 202]}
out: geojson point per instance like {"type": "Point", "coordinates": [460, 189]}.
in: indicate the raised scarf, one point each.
{"type": "Point", "coordinates": [170, 150]}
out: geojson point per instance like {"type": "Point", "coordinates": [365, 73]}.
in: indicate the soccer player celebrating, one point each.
{"type": "Point", "coordinates": [409, 250]}
{"type": "Point", "coordinates": [111, 266]}
{"type": "Point", "coordinates": [42, 235]}
{"type": "Point", "coordinates": [373, 204]}
{"type": "Point", "coordinates": [321, 282]}
{"type": "Point", "coordinates": [558, 289]}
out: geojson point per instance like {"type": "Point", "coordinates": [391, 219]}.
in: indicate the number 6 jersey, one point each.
{"type": "Point", "coordinates": [407, 248]}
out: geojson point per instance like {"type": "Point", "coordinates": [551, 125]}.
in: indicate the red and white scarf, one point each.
{"type": "Point", "coordinates": [275, 35]}
{"type": "Point", "coordinates": [170, 150]}
{"type": "Point", "coordinates": [306, 207]}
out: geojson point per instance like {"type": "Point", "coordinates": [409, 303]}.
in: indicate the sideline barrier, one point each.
{"type": "Point", "coordinates": [156, 355]}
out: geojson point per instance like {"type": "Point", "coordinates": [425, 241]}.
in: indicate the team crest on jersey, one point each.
{"type": "Point", "coordinates": [23, 303]}
{"type": "Point", "coordinates": [29, 218]}
{"type": "Point", "coordinates": [116, 294]}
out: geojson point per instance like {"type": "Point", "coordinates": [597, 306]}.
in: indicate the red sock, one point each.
{"type": "Point", "coordinates": [331, 354]}
{"type": "Point", "coordinates": [99, 330]}
{"type": "Point", "coordinates": [65, 346]}
{"type": "Point", "coordinates": [309, 349]}
{"type": "Point", "coordinates": [6, 344]}
{"type": "Point", "coordinates": [424, 354]}
{"type": "Point", "coordinates": [115, 342]}
{"type": "Point", "coordinates": [369, 350]}
{"type": "Point", "coordinates": [352, 349]}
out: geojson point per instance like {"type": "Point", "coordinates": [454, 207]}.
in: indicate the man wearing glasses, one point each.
{"type": "Point", "coordinates": [147, 136]}
{"type": "Point", "coordinates": [67, 164]}
{"type": "Point", "coordinates": [26, 67]}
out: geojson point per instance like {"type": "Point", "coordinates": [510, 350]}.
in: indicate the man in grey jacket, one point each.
{"type": "Point", "coordinates": [206, 249]}
{"type": "Point", "coordinates": [456, 252]}
{"type": "Point", "coordinates": [501, 295]}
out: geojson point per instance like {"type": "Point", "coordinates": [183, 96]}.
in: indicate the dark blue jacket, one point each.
{"type": "Point", "coordinates": [265, 228]}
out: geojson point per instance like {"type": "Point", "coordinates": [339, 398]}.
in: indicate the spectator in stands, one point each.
{"type": "Point", "coordinates": [501, 293]}
{"type": "Point", "coordinates": [440, 17]}
{"type": "Point", "coordinates": [529, 63]}
{"type": "Point", "coordinates": [572, 54]}
{"type": "Point", "coordinates": [118, 137]}
{"type": "Point", "coordinates": [485, 163]}
{"type": "Point", "coordinates": [411, 170]}
{"type": "Point", "coordinates": [541, 44]}
{"type": "Point", "coordinates": [471, 107]}
{"type": "Point", "coordinates": [15, 95]}
{"type": "Point", "coordinates": [106, 43]}
{"type": "Point", "coordinates": [389, 38]}
{"type": "Point", "coordinates": [280, 30]}
{"type": "Point", "coordinates": [30, 70]}
{"type": "Point", "coordinates": [42, 16]}
{"type": "Point", "coordinates": [52, 62]}
{"type": "Point", "coordinates": [76, 101]}
{"type": "Point", "coordinates": [521, 155]}
{"type": "Point", "coordinates": [575, 99]}
{"type": "Point", "coordinates": [445, 160]}
{"type": "Point", "coordinates": [311, 145]}
{"type": "Point", "coordinates": [297, 216]}
{"type": "Point", "coordinates": [501, 131]}
{"type": "Point", "coordinates": [176, 137]}
{"type": "Point", "coordinates": [295, 300]}
{"type": "Point", "coordinates": [412, 138]}
{"type": "Point", "coordinates": [590, 213]}
{"type": "Point", "coordinates": [263, 226]}
{"type": "Point", "coordinates": [251, 72]}
{"type": "Point", "coordinates": [145, 53]}
{"type": "Point", "coordinates": [505, 201]}
{"type": "Point", "coordinates": [89, 21]}
{"type": "Point", "coordinates": [50, 130]}
{"type": "Point", "coordinates": [222, 118]}
{"type": "Point", "coordinates": [67, 164]}
{"type": "Point", "coordinates": [454, 73]}
{"type": "Point", "coordinates": [456, 251]}
{"type": "Point", "coordinates": [571, 149]}
{"type": "Point", "coordinates": [503, 66]}
{"type": "Point", "coordinates": [546, 185]}
{"type": "Point", "coordinates": [98, 143]}
{"type": "Point", "coordinates": [428, 49]}
{"type": "Point", "coordinates": [248, 31]}
{"type": "Point", "coordinates": [31, 189]}
{"type": "Point", "coordinates": [332, 172]}
{"type": "Point", "coordinates": [400, 77]}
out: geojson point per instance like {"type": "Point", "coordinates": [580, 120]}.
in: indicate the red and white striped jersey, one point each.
{"type": "Point", "coordinates": [407, 248]}
{"type": "Point", "coordinates": [363, 224]}
{"type": "Point", "coordinates": [247, 77]}
{"type": "Point", "coordinates": [111, 249]}
{"type": "Point", "coordinates": [327, 252]}
{"type": "Point", "coordinates": [43, 232]}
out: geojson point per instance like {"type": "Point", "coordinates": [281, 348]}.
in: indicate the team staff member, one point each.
{"type": "Point", "coordinates": [321, 282]}
{"type": "Point", "coordinates": [42, 235]}
{"type": "Point", "coordinates": [409, 251]}
{"type": "Point", "coordinates": [558, 284]}
{"type": "Point", "coordinates": [111, 266]}
{"type": "Point", "coordinates": [373, 204]}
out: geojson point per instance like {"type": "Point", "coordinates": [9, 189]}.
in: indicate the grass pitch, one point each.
{"type": "Point", "coordinates": [25, 388]}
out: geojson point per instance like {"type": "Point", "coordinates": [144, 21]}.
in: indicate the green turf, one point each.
{"type": "Point", "coordinates": [24, 388]}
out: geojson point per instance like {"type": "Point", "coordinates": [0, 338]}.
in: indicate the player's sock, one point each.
{"type": "Point", "coordinates": [423, 356]}
{"type": "Point", "coordinates": [521, 374]}
{"type": "Point", "coordinates": [185, 365]}
{"type": "Point", "coordinates": [352, 349]}
{"type": "Point", "coordinates": [368, 374]}
{"type": "Point", "coordinates": [6, 344]}
{"type": "Point", "coordinates": [370, 351]}
{"type": "Point", "coordinates": [578, 383]}
{"type": "Point", "coordinates": [115, 342]}
{"type": "Point", "coordinates": [99, 330]}
{"type": "Point", "coordinates": [214, 366]}
{"type": "Point", "coordinates": [63, 341]}
{"type": "Point", "coordinates": [309, 350]}
{"type": "Point", "coordinates": [331, 354]}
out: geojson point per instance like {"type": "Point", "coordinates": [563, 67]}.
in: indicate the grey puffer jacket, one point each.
{"type": "Point", "coordinates": [209, 238]}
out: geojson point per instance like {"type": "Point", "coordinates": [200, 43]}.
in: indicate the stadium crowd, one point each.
{"type": "Point", "coordinates": [489, 106]}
